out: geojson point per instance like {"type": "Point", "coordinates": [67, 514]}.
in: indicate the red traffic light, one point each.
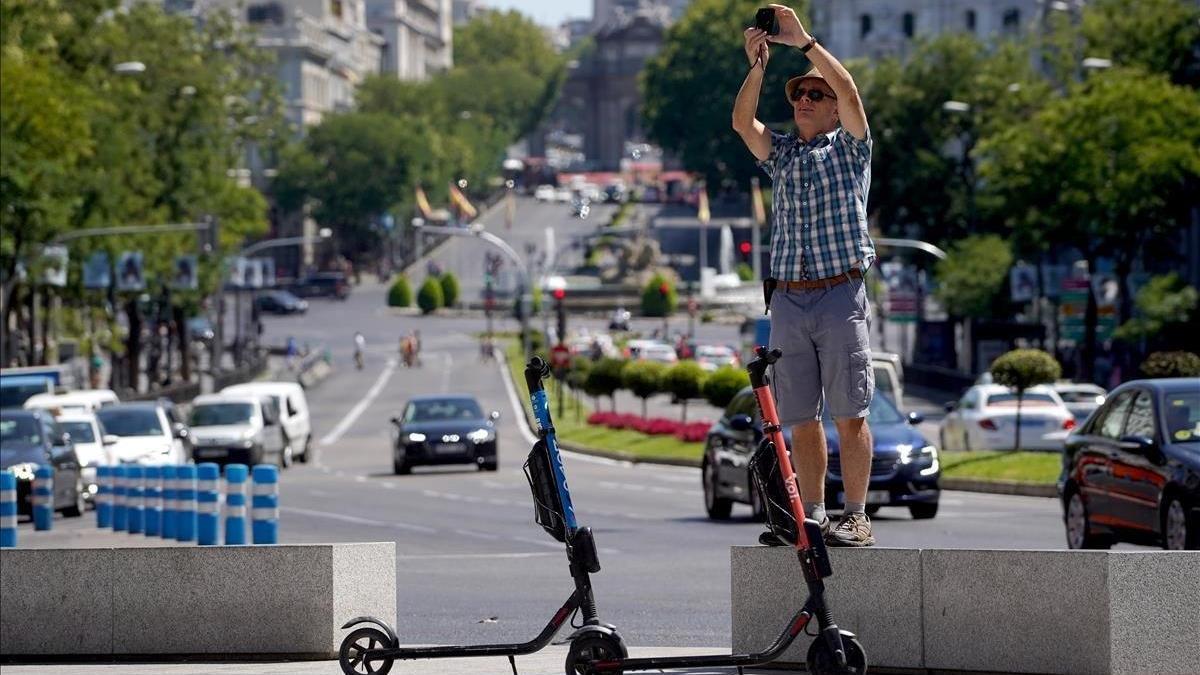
{"type": "Point", "coordinates": [664, 289]}
{"type": "Point", "coordinates": [744, 247]}
{"type": "Point", "coordinates": [559, 293]}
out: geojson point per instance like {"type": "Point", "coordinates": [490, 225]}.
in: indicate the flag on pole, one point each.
{"type": "Point", "coordinates": [423, 203]}
{"type": "Point", "coordinates": [756, 203]}
{"type": "Point", "coordinates": [460, 200]}
{"type": "Point", "coordinates": [702, 212]}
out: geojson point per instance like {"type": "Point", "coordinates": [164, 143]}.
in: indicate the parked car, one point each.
{"type": "Point", "coordinates": [243, 428]}
{"type": "Point", "coordinates": [1132, 471]}
{"type": "Point", "coordinates": [323, 285]}
{"type": "Point", "coordinates": [444, 430]}
{"type": "Point", "coordinates": [659, 353]}
{"type": "Point", "coordinates": [32, 437]}
{"type": "Point", "coordinates": [200, 330]}
{"type": "Point", "coordinates": [92, 447]}
{"type": "Point", "coordinates": [544, 193]}
{"type": "Point", "coordinates": [711, 357]}
{"type": "Point", "coordinates": [148, 432]}
{"type": "Point", "coordinates": [88, 400]}
{"type": "Point", "coordinates": [290, 400]}
{"type": "Point", "coordinates": [281, 302]}
{"type": "Point", "coordinates": [16, 389]}
{"type": "Point", "coordinates": [889, 376]}
{"type": "Point", "coordinates": [985, 419]}
{"type": "Point", "coordinates": [1081, 399]}
{"type": "Point", "coordinates": [904, 466]}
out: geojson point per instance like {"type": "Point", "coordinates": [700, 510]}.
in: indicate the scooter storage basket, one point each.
{"type": "Point", "coordinates": [547, 505]}
{"type": "Point", "coordinates": [768, 481]}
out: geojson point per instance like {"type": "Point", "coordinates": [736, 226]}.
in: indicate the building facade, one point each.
{"type": "Point", "coordinates": [417, 36]}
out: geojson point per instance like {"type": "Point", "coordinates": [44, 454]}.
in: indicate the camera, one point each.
{"type": "Point", "coordinates": [765, 20]}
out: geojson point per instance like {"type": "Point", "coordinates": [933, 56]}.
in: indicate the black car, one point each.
{"type": "Point", "coordinates": [904, 467]}
{"type": "Point", "coordinates": [323, 285]}
{"type": "Point", "coordinates": [280, 302]}
{"type": "Point", "coordinates": [1132, 471]}
{"type": "Point", "coordinates": [444, 430]}
{"type": "Point", "coordinates": [32, 437]}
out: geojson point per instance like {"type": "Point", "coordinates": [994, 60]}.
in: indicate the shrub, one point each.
{"type": "Point", "coordinates": [604, 379]}
{"type": "Point", "coordinates": [745, 272]}
{"type": "Point", "coordinates": [578, 371]}
{"type": "Point", "coordinates": [653, 301]}
{"type": "Point", "coordinates": [429, 298]}
{"type": "Point", "coordinates": [1171, 364]}
{"type": "Point", "coordinates": [1022, 369]}
{"type": "Point", "coordinates": [400, 294]}
{"type": "Point", "coordinates": [643, 379]}
{"type": "Point", "coordinates": [684, 380]}
{"type": "Point", "coordinates": [723, 384]}
{"type": "Point", "coordinates": [449, 284]}
{"type": "Point", "coordinates": [656, 426]}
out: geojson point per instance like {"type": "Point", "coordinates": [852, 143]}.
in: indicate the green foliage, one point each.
{"type": "Point", "coordinates": [429, 298]}
{"type": "Point", "coordinates": [605, 378]}
{"type": "Point", "coordinates": [643, 379]}
{"type": "Point", "coordinates": [972, 278]}
{"type": "Point", "coordinates": [745, 272]}
{"type": "Point", "coordinates": [1164, 301]}
{"type": "Point", "coordinates": [1171, 364]}
{"type": "Point", "coordinates": [1024, 368]}
{"type": "Point", "coordinates": [1157, 35]}
{"type": "Point", "coordinates": [684, 381]}
{"type": "Point", "coordinates": [653, 301]}
{"type": "Point", "coordinates": [400, 293]}
{"type": "Point", "coordinates": [577, 373]}
{"type": "Point", "coordinates": [723, 384]}
{"type": "Point", "coordinates": [449, 289]}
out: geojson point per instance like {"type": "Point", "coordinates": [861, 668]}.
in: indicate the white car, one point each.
{"type": "Point", "coordinates": [241, 428]}
{"type": "Point", "coordinates": [147, 433]}
{"type": "Point", "coordinates": [658, 353]}
{"type": "Point", "coordinates": [635, 347]}
{"type": "Point", "coordinates": [92, 446]}
{"type": "Point", "coordinates": [85, 400]}
{"type": "Point", "coordinates": [563, 195]}
{"type": "Point", "coordinates": [1081, 399]}
{"type": "Point", "coordinates": [711, 357]}
{"type": "Point", "coordinates": [544, 193]}
{"type": "Point", "coordinates": [292, 404]}
{"type": "Point", "coordinates": [985, 419]}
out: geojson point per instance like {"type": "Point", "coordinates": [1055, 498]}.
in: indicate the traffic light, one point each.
{"type": "Point", "coordinates": [560, 313]}
{"type": "Point", "coordinates": [745, 248]}
{"type": "Point", "coordinates": [664, 290]}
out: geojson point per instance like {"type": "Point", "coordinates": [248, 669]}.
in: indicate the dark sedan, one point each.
{"type": "Point", "coordinates": [1132, 472]}
{"type": "Point", "coordinates": [32, 437]}
{"type": "Point", "coordinates": [444, 430]}
{"type": "Point", "coordinates": [904, 468]}
{"type": "Point", "coordinates": [280, 302]}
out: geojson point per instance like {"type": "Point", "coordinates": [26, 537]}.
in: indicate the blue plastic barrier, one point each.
{"type": "Point", "coordinates": [8, 509]}
{"type": "Point", "coordinates": [119, 518]}
{"type": "Point", "coordinates": [42, 497]}
{"type": "Point", "coordinates": [265, 504]}
{"type": "Point", "coordinates": [235, 504]}
{"type": "Point", "coordinates": [168, 510]}
{"type": "Point", "coordinates": [185, 502]}
{"type": "Point", "coordinates": [152, 494]}
{"type": "Point", "coordinates": [208, 504]}
{"type": "Point", "coordinates": [104, 496]}
{"type": "Point", "coordinates": [134, 506]}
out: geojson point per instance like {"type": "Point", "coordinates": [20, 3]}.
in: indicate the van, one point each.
{"type": "Point", "coordinates": [241, 428]}
{"type": "Point", "coordinates": [292, 404]}
{"type": "Point", "coordinates": [86, 401]}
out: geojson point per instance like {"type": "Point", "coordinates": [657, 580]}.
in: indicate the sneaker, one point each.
{"type": "Point", "coordinates": [769, 538]}
{"type": "Point", "coordinates": [854, 529]}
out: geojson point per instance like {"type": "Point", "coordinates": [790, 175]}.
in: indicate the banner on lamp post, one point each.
{"type": "Point", "coordinates": [97, 271]}
{"type": "Point", "coordinates": [184, 274]}
{"type": "Point", "coordinates": [55, 259]}
{"type": "Point", "coordinates": [130, 272]}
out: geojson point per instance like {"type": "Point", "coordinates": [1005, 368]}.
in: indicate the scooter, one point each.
{"type": "Point", "coordinates": [835, 651]}
{"type": "Point", "coordinates": [372, 648]}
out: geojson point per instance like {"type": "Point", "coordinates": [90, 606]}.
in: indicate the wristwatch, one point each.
{"type": "Point", "coordinates": [812, 40]}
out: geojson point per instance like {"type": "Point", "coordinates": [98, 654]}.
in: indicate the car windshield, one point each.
{"type": "Point", "coordinates": [882, 412]}
{"type": "Point", "coordinates": [19, 431]}
{"type": "Point", "coordinates": [128, 422]}
{"type": "Point", "coordinates": [218, 414]}
{"type": "Point", "coordinates": [81, 432]}
{"type": "Point", "coordinates": [443, 409]}
{"type": "Point", "coordinates": [1183, 417]}
{"type": "Point", "coordinates": [1077, 396]}
{"type": "Point", "coordinates": [1010, 400]}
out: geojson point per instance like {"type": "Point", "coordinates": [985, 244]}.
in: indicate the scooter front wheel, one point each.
{"type": "Point", "coordinates": [589, 648]}
{"type": "Point", "coordinates": [821, 660]}
{"type": "Point", "coordinates": [352, 655]}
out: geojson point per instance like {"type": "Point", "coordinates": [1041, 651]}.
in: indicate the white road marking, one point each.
{"type": "Point", "coordinates": [518, 408]}
{"type": "Point", "coordinates": [466, 556]}
{"type": "Point", "coordinates": [359, 521]}
{"type": "Point", "coordinates": [360, 407]}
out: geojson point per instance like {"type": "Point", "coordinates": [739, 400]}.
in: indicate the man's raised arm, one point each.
{"type": "Point", "coordinates": [754, 133]}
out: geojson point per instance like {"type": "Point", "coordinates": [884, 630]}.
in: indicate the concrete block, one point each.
{"type": "Point", "coordinates": [55, 602]}
{"type": "Point", "coordinates": [1154, 600]}
{"type": "Point", "coordinates": [874, 593]}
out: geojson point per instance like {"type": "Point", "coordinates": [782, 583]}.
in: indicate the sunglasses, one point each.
{"type": "Point", "coordinates": [815, 95]}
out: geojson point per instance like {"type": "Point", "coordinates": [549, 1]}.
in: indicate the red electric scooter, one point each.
{"type": "Point", "coordinates": [835, 651]}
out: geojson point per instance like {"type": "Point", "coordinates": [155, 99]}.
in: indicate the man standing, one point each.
{"type": "Point", "coordinates": [820, 250]}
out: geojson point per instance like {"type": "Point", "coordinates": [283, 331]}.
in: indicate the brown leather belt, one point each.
{"type": "Point", "coordinates": [817, 284]}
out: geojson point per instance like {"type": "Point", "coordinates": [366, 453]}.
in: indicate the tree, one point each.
{"type": "Point", "coordinates": [449, 289]}
{"type": "Point", "coordinates": [605, 378]}
{"type": "Point", "coordinates": [1171, 364]}
{"type": "Point", "coordinates": [429, 298]}
{"type": "Point", "coordinates": [654, 301]}
{"type": "Point", "coordinates": [643, 379]}
{"type": "Point", "coordinates": [1165, 308]}
{"type": "Point", "coordinates": [971, 279]}
{"type": "Point", "coordinates": [1157, 35]}
{"type": "Point", "coordinates": [685, 381]}
{"type": "Point", "coordinates": [1021, 369]}
{"type": "Point", "coordinates": [400, 293]}
{"type": "Point", "coordinates": [723, 384]}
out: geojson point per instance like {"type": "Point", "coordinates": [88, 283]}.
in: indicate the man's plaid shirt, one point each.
{"type": "Point", "coordinates": [819, 205]}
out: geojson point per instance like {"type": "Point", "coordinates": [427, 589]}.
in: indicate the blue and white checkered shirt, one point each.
{"type": "Point", "coordinates": [819, 205]}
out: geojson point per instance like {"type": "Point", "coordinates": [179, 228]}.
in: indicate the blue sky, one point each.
{"type": "Point", "coordinates": [547, 12]}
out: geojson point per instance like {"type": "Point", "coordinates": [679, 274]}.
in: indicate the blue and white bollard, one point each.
{"type": "Point", "coordinates": [208, 504]}
{"type": "Point", "coordinates": [42, 497]}
{"type": "Point", "coordinates": [104, 496]}
{"type": "Point", "coordinates": [152, 496]}
{"type": "Point", "coordinates": [8, 509]}
{"type": "Point", "coordinates": [119, 515]}
{"type": "Point", "coordinates": [185, 502]}
{"type": "Point", "coordinates": [235, 504]}
{"type": "Point", "coordinates": [134, 505]}
{"type": "Point", "coordinates": [168, 509]}
{"type": "Point", "coordinates": [265, 504]}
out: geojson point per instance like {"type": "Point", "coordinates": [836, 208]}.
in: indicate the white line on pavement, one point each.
{"type": "Point", "coordinates": [361, 406]}
{"type": "Point", "coordinates": [458, 556]}
{"type": "Point", "coordinates": [359, 521]}
{"type": "Point", "coordinates": [518, 409]}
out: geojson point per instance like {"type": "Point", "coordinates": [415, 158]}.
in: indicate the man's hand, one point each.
{"type": "Point", "coordinates": [756, 47]}
{"type": "Point", "coordinates": [791, 31]}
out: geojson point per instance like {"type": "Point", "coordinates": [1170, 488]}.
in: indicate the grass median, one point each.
{"type": "Point", "coordinates": [572, 427]}
{"type": "Point", "coordinates": [1040, 468]}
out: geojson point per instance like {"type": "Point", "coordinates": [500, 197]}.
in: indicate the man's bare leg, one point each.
{"type": "Point", "coordinates": [810, 458]}
{"type": "Point", "coordinates": [854, 439]}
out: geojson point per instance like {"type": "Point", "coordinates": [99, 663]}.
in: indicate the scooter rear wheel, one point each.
{"type": "Point", "coordinates": [350, 655]}
{"type": "Point", "coordinates": [822, 662]}
{"type": "Point", "coordinates": [586, 649]}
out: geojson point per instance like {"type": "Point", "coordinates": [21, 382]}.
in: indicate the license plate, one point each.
{"type": "Point", "coordinates": [210, 452]}
{"type": "Point", "coordinates": [450, 448]}
{"type": "Point", "coordinates": [873, 497]}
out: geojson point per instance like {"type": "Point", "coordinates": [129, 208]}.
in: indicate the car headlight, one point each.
{"type": "Point", "coordinates": [909, 454]}
{"type": "Point", "coordinates": [23, 471]}
{"type": "Point", "coordinates": [480, 436]}
{"type": "Point", "coordinates": [415, 437]}
{"type": "Point", "coordinates": [248, 443]}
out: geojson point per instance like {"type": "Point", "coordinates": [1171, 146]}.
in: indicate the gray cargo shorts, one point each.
{"type": "Point", "coordinates": [825, 338]}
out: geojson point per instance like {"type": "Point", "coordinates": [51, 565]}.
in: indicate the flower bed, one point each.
{"type": "Point", "coordinates": [691, 432]}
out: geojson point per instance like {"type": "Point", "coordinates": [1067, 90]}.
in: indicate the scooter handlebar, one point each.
{"type": "Point", "coordinates": [758, 365]}
{"type": "Point", "coordinates": [536, 370]}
